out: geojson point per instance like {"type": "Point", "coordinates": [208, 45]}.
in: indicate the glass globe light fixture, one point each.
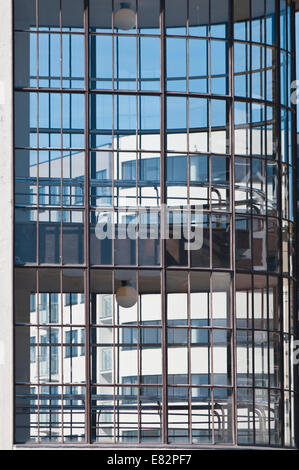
{"type": "Point", "coordinates": [126, 295]}
{"type": "Point", "coordinates": [124, 17]}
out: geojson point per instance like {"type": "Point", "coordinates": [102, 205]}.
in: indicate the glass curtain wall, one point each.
{"type": "Point", "coordinates": [154, 289]}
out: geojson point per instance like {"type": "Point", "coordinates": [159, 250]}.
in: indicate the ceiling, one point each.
{"type": "Point", "coordinates": [149, 16]}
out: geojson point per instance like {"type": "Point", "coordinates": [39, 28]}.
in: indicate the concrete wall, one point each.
{"type": "Point", "coordinates": [6, 194]}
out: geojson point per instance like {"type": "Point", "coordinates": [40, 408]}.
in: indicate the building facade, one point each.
{"type": "Point", "coordinates": [151, 160]}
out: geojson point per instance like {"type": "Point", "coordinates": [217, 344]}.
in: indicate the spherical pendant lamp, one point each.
{"type": "Point", "coordinates": [124, 17]}
{"type": "Point", "coordinates": [126, 296]}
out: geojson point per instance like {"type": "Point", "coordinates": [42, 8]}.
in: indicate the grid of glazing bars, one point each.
{"type": "Point", "coordinates": [285, 178]}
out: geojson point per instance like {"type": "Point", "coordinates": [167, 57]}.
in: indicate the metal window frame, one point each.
{"type": "Point", "coordinates": [163, 268]}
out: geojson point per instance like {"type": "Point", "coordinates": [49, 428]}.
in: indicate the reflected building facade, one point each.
{"type": "Point", "coordinates": [188, 106]}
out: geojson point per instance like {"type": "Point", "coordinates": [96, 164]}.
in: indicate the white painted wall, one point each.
{"type": "Point", "coordinates": [6, 186]}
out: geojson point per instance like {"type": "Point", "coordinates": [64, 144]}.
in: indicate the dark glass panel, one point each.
{"type": "Point", "coordinates": [148, 16]}
{"type": "Point", "coordinates": [73, 237]}
{"type": "Point", "coordinates": [243, 242]}
{"type": "Point", "coordinates": [177, 241]}
{"type": "Point", "coordinates": [101, 237]}
{"type": "Point", "coordinates": [175, 16]}
{"type": "Point", "coordinates": [25, 60]}
{"type": "Point", "coordinates": [219, 18]}
{"type": "Point", "coordinates": [273, 245]}
{"type": "Point", "coordinates": [49, 237]}
{"type": "Point", "coordinates": [200, 248]}
{"type": "Point", "coordinates": [259, 251]}
{"type": "Point", "coordinates": [25, 236]}
{"type": "Point", "coordinates": [149, 244]}
{"type": "Point", "coordinates": [100, 17]}
{"type": "Point", "coordinates": [49, 14]}
{"type": "Point", "coordinates": [26, 414]}
{"type": "Point", "coordinates": [24, 14]}
{"type": "Point", "coordinates": [72, 14]}
{"type": "Point", "coordinates": [198, 17]}
{"type": "Point", "coordinates": [25, 296]}
{"type": "Point", "coordinates": [241, 17]}
{"type": "Point", "coordinates": [220, 241]}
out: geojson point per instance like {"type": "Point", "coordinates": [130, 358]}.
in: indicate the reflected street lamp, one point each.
{"type": "Point", "coordinates": [124, 17]}
{"type": "Point", "coordinates": [126, 295]}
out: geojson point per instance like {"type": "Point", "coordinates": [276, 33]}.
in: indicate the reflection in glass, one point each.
{"type": "Point", "coordinates": [147, 113]}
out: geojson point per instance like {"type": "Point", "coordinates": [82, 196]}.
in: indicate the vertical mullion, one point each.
{"type": "Point", "coordinates": [277, 98]}
{"type": "Point", "coordinates": [37, 223]}
{"type": "Point", "coordinates": [249, 111]}
{"type": "Point", "coordinates": [38, 358]}
{"type": "Point", "coordinates": [188, 147]}
{"type": "Point", "coordinates": [86, 228]}
{"type": "Point", "coordinates": [209, 141]}
{"type": "Point", "coordinates": [62, 355]}
{"type": "Point", "coordinates": [232, 290]}
{"type": "Point", "coordinates": [295, 225]}
{"type": "Point", "coordinates": [114, 357]}
{"type": "Point", "coordinates": [190, 427]}
{"type": "Point", "coordinates": [209, 57]}
{"type": "Point", "coordinates": [139, 361]}
{"type": "Point", "coordinates": [211, 358]}
{"type": "Point", "coordinates": [61, 217]}
{"type": "Point", "coordinates": [138, 118]}
{"type": "Point", "coordinates": [61, 137]}
{"type": "Point", "coordinates": [265, 320]}
{"type": "Point", "coordinates": [114, 153]}
{"type": "Point", "coordinates": [189, 217]}
{"type": "Point", "coordinates": [163, 143]}
{"type": "Point", "coordinates": [138, 126]}
{"type": "Point", "coordinates": [13, 231]}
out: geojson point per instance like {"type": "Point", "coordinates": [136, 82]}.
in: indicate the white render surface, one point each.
{"type": "Point", "coordinates": [6, 185]}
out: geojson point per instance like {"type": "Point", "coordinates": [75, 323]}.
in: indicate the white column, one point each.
{"type": "Point", "coordinates": [6, 211]}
